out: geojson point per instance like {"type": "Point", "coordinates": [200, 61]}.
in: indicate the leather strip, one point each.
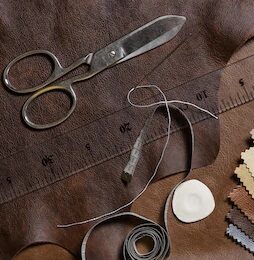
{"type": "Point", "coordinates": [237, 218]}
{"type": "Point", "coordinates": [149, 228]}
{"type": "Point", "coordinates": [160, 236]}
{"type": "Point", "coordinates": [246, 178]}
{"type": "Point", "coordinates": [241, 198]}
{"type": "Point", "coordinates": [239, 236]}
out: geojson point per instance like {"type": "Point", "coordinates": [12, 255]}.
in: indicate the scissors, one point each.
{"type": "Point", "coordinates": [143, 39]}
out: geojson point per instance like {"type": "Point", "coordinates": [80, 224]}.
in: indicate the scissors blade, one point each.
{"type": "Point", "coordinates": [151, 35]}
{"type": "Point", "coordinates": [143, 39]}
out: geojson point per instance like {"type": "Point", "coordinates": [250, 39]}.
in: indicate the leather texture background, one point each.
{"type": "Point", "coordinates": [205, 239]}
{"type": "Point", "coordinates": [214, 31]}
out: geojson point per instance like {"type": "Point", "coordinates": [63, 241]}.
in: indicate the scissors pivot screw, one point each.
{"type": "Point", "coordinates": [112, 53]}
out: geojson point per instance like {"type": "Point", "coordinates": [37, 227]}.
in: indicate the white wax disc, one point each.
{"type": "Point", "coordinates": [192, 201]}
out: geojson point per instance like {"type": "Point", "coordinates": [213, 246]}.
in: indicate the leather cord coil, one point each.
{"type": "Point", "coordinates": [151, 230]}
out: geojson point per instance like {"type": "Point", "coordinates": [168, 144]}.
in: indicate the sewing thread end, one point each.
{"type": "Point", "coordinates": [126, 177]}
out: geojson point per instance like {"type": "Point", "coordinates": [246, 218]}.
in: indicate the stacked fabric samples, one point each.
{"type": "Point", "coordinates": [241, 215]}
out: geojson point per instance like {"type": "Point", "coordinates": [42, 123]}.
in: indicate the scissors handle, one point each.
{"type": "Point", "coordinates": [67, 89]}
{"type": "Point", "coordinates": [58, 70]}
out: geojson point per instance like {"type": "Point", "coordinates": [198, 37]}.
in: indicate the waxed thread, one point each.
{"type": "Point", "coordinates": [149, 181]}
{"type": "Point", "coordinates": [108, 216]}
{"type": "Point", "coordinates": [166, 103]}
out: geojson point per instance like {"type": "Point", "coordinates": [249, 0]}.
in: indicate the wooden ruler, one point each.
{"type": "Point", "coordinates": [123, 127]}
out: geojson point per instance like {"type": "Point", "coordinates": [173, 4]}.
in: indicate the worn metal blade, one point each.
{"type": "Point", "coordinates": [143, 39]}
{"type": "Point", "coordinates": [151, 35]}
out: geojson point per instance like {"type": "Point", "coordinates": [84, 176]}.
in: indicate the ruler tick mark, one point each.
{"type": "Point", "coordinates": [106, 150]}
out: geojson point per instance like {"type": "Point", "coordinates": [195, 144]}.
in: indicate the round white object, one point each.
{"type": "Point", "coordinates": [192, 201]}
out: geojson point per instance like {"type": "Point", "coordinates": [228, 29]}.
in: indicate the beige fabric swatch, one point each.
{"type": "Point", "coordinates": [248, 158]}
{"type": "Point", "coordinates": [246, 178]}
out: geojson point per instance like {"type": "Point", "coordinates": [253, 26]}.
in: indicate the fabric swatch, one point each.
{"type": "Point", "coordinates": [242, 199]}
{"type": "Point", "coordinates": [246, 178]}
{"type": "Point", "coordinates": [248, 157]}
{"type": "Point", "coordinates": [241, 216]}
{"type": "Point", "coordinates": [237, 218]}
{"type": "Point", "coordinates": [240, 237]}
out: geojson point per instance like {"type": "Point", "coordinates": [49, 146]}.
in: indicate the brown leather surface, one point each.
{"type": "Point", "coordinates": [218, 28]}
{"type": "Point", "coordinates": [43, 252]}
{"type": "Point", "coordinates": [205, 239]}
{"type": "Point", "coordinates": [242, 199]}
{"type": "Point", "coordinates": [236, 217]}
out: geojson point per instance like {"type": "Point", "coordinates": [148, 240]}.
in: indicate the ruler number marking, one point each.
{"type": "Point", "coordinates": [88, 147]}
{"type": "Point", "coordinates": [125, 127]}
{"type": "Point", "coordinates": [47, 160]}
{"type": "Point", "coordinates": [241, 82]}
{"type": "Point", "coordinates": [201, 95]}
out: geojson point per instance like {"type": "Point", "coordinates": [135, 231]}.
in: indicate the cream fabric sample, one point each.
{"type": "Point", "coordinates": [248, 158]}
{"type": "Point", "coordinates": [246, 178]}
